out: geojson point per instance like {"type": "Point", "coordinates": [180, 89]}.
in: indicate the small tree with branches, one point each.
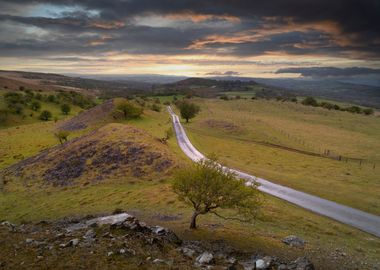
{"type": "Point", "coordinates": [208, 188]}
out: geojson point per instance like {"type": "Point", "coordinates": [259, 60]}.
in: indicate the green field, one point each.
{"type": "Point", "coordinates": [151, 199]}
{"type": "Point", "coordinates": [245, 134]}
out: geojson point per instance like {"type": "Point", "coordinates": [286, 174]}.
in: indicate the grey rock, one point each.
{"type": "Point", "coordinates": [29, 240]}
{"type": "Point", "coordinates": [231, 260]}
{"type": "Point", "coordinates": [167, 234]}
{"type": "Point", "coordinates": [158, 230]}
{"type": "Point", "coordinates": [294, 241]}
{"type": "Point", "coordinates": [74, 242]}
{"type": "Point", "coordinates": [260, 264]}
{"type": "Point", "coordinates": [205, 258]}
{"type": "Point", "coordinates": [109, 253]}
{"type": "Point", "coordinates": [11, 226]}
{"type": "Point", "coordinates": [158, 261]}
{"type": "Point", "coordinates": [110, 220]}
{"type": "Point", "coordinates": [264, 263]}
{"type": "Point", "coordinates": [301, 263]}
{"type": "Point", "coordinates": [188, 252]}
{"type": "Point", "coordinates": [90, 234]}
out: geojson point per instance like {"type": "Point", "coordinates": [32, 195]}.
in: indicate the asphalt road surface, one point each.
{"type": "Point", "coordinates": [359, 219]}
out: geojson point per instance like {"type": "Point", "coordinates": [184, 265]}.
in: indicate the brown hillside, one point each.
{"type": "Point", "coordinates": [114, 151]}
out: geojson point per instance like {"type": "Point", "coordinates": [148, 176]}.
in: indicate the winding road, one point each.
{"type": "Point", "coordinates": [359, 219]}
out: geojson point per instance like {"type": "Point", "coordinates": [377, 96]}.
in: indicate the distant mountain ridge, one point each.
{"type": "Point", "coordinates": [124, 85]}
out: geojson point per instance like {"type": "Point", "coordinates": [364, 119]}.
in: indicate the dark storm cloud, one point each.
{"type": "Point", "coordinates": [342, 27]}
{"type": "Point", "coordinates": [330, 71]}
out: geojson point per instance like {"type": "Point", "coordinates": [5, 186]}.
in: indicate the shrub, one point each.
{"type": "Point", "coordinates": [155, 107]}
{"type": "Point", "coordinates": [35, 106]}
{"type": "Point", "coordinates": [129, 110]}
{"type": "Point", "coordinates": [327, 105]}
{"type": "Point", "coordinates": [45, 115]}
{"type": "Point", "coordinates": [354, 109]}
{"type": "Point", "coordinates": [65, 108]}
{"type": "Point", "coordinates": [368, 111]}
{"type": "Point", "coordinates": [336, 107]}
{"type": "Point", "coordinates": [51, 98]}
{"type": "Point", "coordinates": [3, 115]}
{"type": "Point", "coordinates": [310, 101]}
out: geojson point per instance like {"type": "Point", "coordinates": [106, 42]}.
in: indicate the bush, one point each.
{"type": "Point", "coordinates": [155, 107]}
{"type": "Point", "coordinates": [368, 111]}
{"type": "Point", "coordinates": [167, 103]}
{"type": "Point", "coordinates": [65, 108]}
{"type": "Point", "coordinates": [327, 105]}
{"type": "Point", "coordinates": [336, 107]}
{"type": "Point", "coordinates": [224, 97]}
{"type": "Point", "coordinates": [51, 98]}
{"type": "Point", "coordinates": [129, 110]}
{"type": "Point", "coordinates": [354, 109]}
{"type": "Point", "coordinates": [3, 115]}
{"type": "Point", "coordinates": [310, 101]}
{"type": "Point", "coordinates": [45, 115]}
{"type": "Point", "coordinates": [35, 106]}
{"type": "Point", "coordinates": [13, 98]}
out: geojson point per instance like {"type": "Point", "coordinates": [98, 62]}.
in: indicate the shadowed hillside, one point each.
{"type": "Point", "coordinates": [112, 151]}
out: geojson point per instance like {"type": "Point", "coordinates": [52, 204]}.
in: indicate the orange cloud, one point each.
{"type": "Point", "coordinates": [106, 25]}
{"type": "Point", "coordinates": [195, 17]}
{"type": "Point", "coordinates": [272, 27]}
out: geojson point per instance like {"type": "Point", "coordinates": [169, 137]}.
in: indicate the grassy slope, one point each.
{"type": "Point", "coordinates": [151, 198]}
{"type": "Point", "coordinates": [298, 127]}
{"type": "Point", "coordinates": [31, 116]}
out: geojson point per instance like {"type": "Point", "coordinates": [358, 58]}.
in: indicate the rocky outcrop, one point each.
{"type": "Point", "coordinates": [123, 241]}
{"type": "Point", "coordinates": [294, 241]}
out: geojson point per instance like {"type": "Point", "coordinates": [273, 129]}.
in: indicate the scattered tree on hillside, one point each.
{"type": "Point", "coordinates": [45, 115]}
{"type": "Point", "coordinates": [129, 110]}
{"type": "Point", "coordinates": [35, 106]}
{"type": "Point", "coordinates": [310, 101]}
{"type": "Point", "coordinates": [354, 109]}
{"type": "Point", "coordinates": [155, 107]}
{"type": "Point", "coordinates": [188, 110]}
{"type": "Point", "coordinates": [65, 108]}
{"type": "Point", "coordinates": [208, 188]}
{"type": "Point", "coordinates": [51, 98]}
{"type": "Point", "coordinates": [3, 115]}
{"type": "Point", "coordinates": [368, 111]}
{"type": "Point", "coordinates": [62, 136]}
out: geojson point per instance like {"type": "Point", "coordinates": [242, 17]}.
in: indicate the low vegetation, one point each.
{"type": "Point", "coordinates": [310, 101]}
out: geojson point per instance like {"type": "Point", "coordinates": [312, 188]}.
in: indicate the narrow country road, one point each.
{"type": "Point", "coordinates": [361, 220]}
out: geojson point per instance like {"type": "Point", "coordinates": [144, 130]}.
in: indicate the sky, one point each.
{"type": "Point", "coordinates": [271, 38]}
